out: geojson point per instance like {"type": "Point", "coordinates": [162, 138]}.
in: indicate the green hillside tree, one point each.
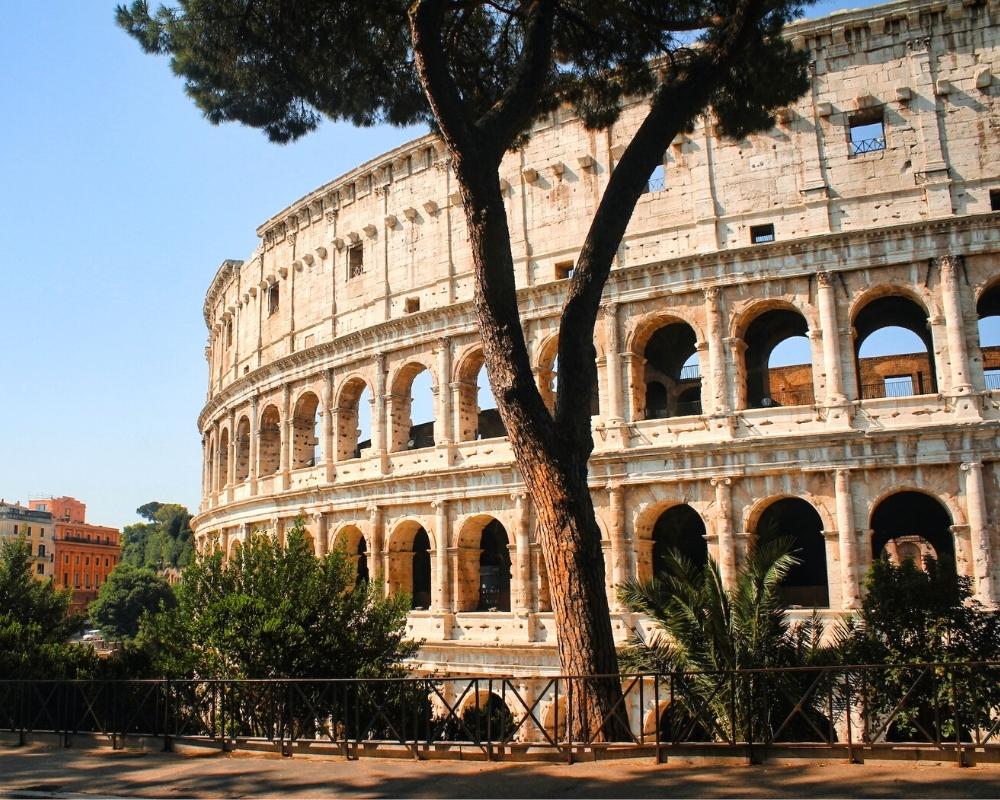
{"type": "Point", "coordinates": [480, 72]}
{"type": "Point", "coordinates": [125, 596]}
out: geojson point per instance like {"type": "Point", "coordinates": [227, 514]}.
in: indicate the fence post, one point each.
{"type": "Point", "coordinates": [849, 711]}
{"type": "Point", "coordinates": [167, 746]}
{"type": "Point", "coordinates": [959, 754]}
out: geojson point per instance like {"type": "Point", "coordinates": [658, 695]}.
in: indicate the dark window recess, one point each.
{"type": "Point", "coordinates": [759, 234]}
{"type": "Point", "coordinates": [355, 260]}
{"type": "Point", "coordinates": [229, 333]}
{"type": "Point", "coordinates": [411, 305]}
{"type": "Point", "coordinates": [994, 199]}
{"type": "Point", "coordinates": [564, 270]}
{"type": "Point", "coordinates": [867, 132]}
{"type": "Point", "coordinates": [273, 299]}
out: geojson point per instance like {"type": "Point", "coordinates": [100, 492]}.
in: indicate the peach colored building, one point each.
{"type": "Point", "coordinates": [84, 553]}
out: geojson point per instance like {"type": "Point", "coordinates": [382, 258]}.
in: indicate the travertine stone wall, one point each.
{"type": "Point", "coordinates": [373, 285]}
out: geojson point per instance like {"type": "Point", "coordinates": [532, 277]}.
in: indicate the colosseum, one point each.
{"type": "Point", "coordinates": [796, 337]}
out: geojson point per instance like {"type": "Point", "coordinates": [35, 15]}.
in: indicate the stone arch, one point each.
{"type": "Point", "coordinates": [234, 549]}
{"type": "Point", "coordinates": [475, 420]}
{"type": "Point", "coordinates": [410, 563]}
{"type": "Point", "coordinates": [408, 434]}
{"type": "Point", "coordinates": [679, 528]}
{"type": "Point", "coordinates": [351, 541]}
{"type": "Point", "coordinates": [988, 324]}
{"type": "Point", "coordinates": [908, 513]}
{"type": "Point", "coordinates": [807, 583]}
{"type": "Point", "coordinates": [478, 705]}
{"type": "Point", "coordinates": [242, 449]}
{"type": "Point", "coordinates": [353, 417]}
{"type": "Point", "coordinates": [269, 441]}
{"type": "Point", "coordinates": [666, 379]}
{"type": "Point", "coordinates": [484, 565]}
{"type": "Point", "coordinates": [305, 438]}
{"type": "Point", "coordinates": [223, 457]}
{"type": "Point", "coordinates": [547, 375]}
{"type": "Point", "coordinates": [764, 329]}
{"type": "Point", "coordinates": [889, 371]}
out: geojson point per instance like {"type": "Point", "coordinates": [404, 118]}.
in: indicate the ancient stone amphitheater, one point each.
{"type": "Point", "coordinates": [869, 209]}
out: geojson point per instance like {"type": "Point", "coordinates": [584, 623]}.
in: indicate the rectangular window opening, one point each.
{"type": "Point", "coordinates": [564, 270]}
{"type": "Point", "coordinates": [355, 260]}
{"type": "Point", "coordinates": [761, 234]}
{"type": "Point", "coordinates": [867, 132]}
{"type": "Point", "coordinates": [411, 305]}
{"type": "Point", "coordinates": [899, 386]}
{"type": "Point", "coordinates": [994, 199]}
{"type": "Point", "coordinates": [657, 180]}
{"type": "Point", "coordinates": [229, 333]}
{"type": "Point", "coordinates": [273, 299]}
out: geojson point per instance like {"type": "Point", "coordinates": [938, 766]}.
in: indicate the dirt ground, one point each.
{"type": "Point", "coordinates": [37, 771]}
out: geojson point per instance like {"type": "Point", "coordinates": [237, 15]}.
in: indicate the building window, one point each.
{"type": "Point", "coordinates": [355, 260]}
{"type": "Point", "coordinates": [760, 234]}
{"type": "Point", "coordinates": [105, 562]}
{"type": "Point", "coordinates": [229, 333]}
{"type": "Point", "coordinates": [564, 270]}
{"type": "Point", "coordinates": [411, 305]}
{"type": "Point", "coordinates": [65, 579]}
{"type": "Point", "coordinates": [273, 299]}
{"type": "Point", "coordinates": [899, 386]}
{"type": "Point", "coordinates": [867, 132]}
{"type": "Point", "coordinates": [41, 549]}
{"type": "Point", "coordinates": [65, 559]}
{"type": "Point", "coordinates": [40, 569]}
{"type": "Point", "coordinates": [994, 199]}
{"type": "Point", "coordinates": [657, 179]}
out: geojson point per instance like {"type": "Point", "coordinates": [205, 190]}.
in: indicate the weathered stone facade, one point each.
{"type": "Point", "coordinates": [365, 283]}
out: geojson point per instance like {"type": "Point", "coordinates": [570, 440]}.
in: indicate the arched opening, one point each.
{"type": "Point", "coordinates": [484, 566]}
{"type": "Point", "coordinates": [421, 570]}
{"type": "Point", "coordinates": [224, 458]}
{"type": "Point", "coordinates": [413, 409]}
{"type": "Point", "coordinates": [354, 420]}
{"type": "Point", "coordinates": [791, 517]}
{"type": "Point", "coordinates": [679, 528]}
{"type": "Point", "coordinates": [778, 360]}
{"type": "Point", "coordinates": [242, 449]}
{"type": "Point", "coordinates": [893, 347]}
{"type": "Point", "coordinates": [478, 417]}
{"type": "Point", "coordinates": [210, 463]}
{"type": "Point", "coordinates": [305, 442]}
{"type": "Point", "coordinates": [548, 378]}
{"type": "Point", "coordinates": [988, 311]}
{"type": "Point", "coordinates": [269, 442]}
{"type": "Point", "coordinates": [494, 568]}
{"type": "Point", "coordinates": [234, 550]}
{"type": "Point", "coordinates": [908, 520]}
{"type": "Point", "coordinates": [672, 374]}
{"type": "Point", "coordinates": [486, 713]}
{"type": "Point", "coordinates": [352, 543]}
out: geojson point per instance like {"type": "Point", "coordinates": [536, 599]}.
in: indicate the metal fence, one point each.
{"type": "Point", "coordinates": [949, 710]}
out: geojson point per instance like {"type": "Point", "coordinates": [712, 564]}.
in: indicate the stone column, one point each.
{"type": "Point", "coordinates": [254, 444]}
{"type": "Point", "coordinates": [735, 351]}
{"type": "Point", "coordinates": [830, 330]}
{"type": "Point", "coordinates": [205, 477]}
{"type": "Point", "coordinates": [850, 579]}
{"type": "Point", "coordinates": [379, 433]}
{"type": "Point", "coordinates": [441, 602]}
{"type": "Point", "coordinates": [834, 568]}
{"type": "Point", "coordinates": [939, 338]}
{"type": "Point", "coordinates": [321, 524]}
{"type": "Point", "coordinates": [612, 363]}
{"type": "Point", "coordinates": [954, 321]}
{"type": "Point", "coordinates": [981, 533]}
{"type": "Point", "coordinates": [621, 545]}
{"type": "Point", "coordinates": [634, 387]}
{"type": "Point", "coordinates": [329, 419]}
{"type": "Point", "coordinates": [231, 455]}
{"type": "Point", "coordinates": [287, 437]}
{"type": "Point", "coordinates": [716, 373]}
{"type": "Point", "coordinates": [522, 541]}
{"type": "Point", "coordinates": [724, 530]}
{"type": "Point", "coordinates": [216, 464]}
{"type": "Point", "coordinates": [378, 563]}
{"type": "Point", "coordinates": [443, 423]}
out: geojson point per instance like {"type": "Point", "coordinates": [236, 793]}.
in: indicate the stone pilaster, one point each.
{"type": "Point", "coordinates": [724, 530]}
{"type": "Point", "coordinates": [981, 533]}
{"type": "Point", "coordinates": [847, 537]}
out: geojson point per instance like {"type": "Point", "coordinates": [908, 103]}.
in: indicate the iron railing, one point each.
{"type": "Point", "coordinates": [993, 379]}
{"type": "Point", "coordinates": [873, 145]}
{"type": "Point", "coordinates": [950, 710]}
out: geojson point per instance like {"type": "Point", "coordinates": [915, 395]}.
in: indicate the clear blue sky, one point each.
{"type": "Point", "coordinates": [120, 202]}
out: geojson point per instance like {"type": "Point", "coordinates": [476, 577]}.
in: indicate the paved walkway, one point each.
{"type": "Point", "coordinates": [54, 772]}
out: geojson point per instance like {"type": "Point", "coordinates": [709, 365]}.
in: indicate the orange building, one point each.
{"type": "Point", "coordinates": [85, 554]}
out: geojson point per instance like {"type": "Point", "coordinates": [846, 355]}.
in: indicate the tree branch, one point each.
{"type": "Point", "coordinates": [677, 100]}
{"type": "Point", "coordinates": [512, 113]}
